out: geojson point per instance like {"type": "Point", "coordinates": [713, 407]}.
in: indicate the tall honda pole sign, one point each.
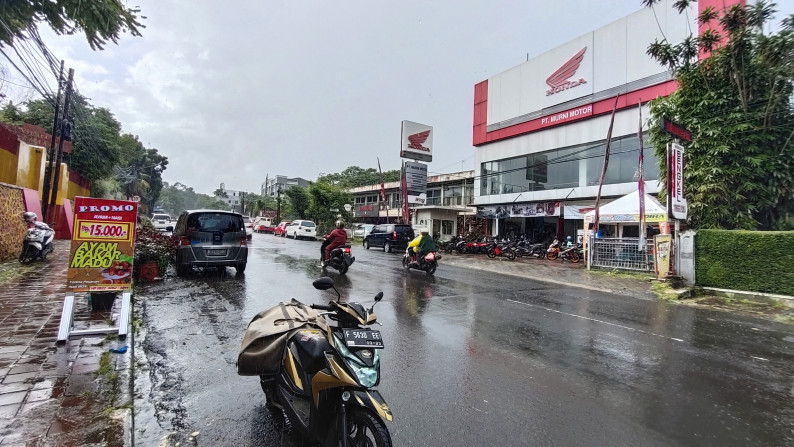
{"type": "Point", "coordinates": [416, 143]}
{"type": "Point", "coordinates": [677, 208]}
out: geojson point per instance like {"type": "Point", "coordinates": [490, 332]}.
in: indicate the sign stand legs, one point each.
{"type": "Point", "coordinates": [65, 329]}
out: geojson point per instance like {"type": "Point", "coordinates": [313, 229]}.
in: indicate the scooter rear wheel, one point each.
{"type": "Point", "coordinates": [365, 430]}
{"type": "Point", "coordinates": [431, 269]}
{"type": "Point", "coordinates": [552, 255]}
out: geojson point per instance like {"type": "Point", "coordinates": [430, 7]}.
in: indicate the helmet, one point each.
{"type": "Point", "coordinates": [424, 230]}
{"type": "Point", "coordinates": [568, 238]}
{"type": "Point", "coordinates": [29, 216]}
{"type": "Point", "coordinates": [340, 224]}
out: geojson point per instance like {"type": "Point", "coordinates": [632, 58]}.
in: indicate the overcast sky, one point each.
{"type": "Point", "coordinates": [235, 91]}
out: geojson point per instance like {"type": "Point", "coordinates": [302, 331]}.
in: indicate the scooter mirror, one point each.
{"type": "Point", "coordinates": [379, 296]}
{"type": "Point", "coordinates": [323, 283]}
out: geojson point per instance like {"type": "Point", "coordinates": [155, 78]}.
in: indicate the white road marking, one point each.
{"type": "Point", "coordinates": [597, 321]}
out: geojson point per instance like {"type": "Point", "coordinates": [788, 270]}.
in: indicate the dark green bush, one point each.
{"type": "Point", "coordinates": [760, 261]}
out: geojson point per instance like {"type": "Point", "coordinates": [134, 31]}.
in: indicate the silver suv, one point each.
{"type": "Point", "coordinates": [210, 238]}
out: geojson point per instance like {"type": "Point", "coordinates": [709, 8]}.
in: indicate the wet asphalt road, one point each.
{"type": "Point", "coordinates": [471, 359]}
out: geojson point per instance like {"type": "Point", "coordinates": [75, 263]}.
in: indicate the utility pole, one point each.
{"type": "Point", "coordinates": [59, 159]}
{"type": "Point", "coordinates": [45, 194]}
{"type": "Point", "coordinates": [278, 206]}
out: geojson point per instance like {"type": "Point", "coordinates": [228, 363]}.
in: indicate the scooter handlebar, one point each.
{"type": "Point", "coordinates": [322, 307]}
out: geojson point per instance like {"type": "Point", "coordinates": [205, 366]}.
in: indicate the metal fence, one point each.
{"type": "Point", "coordinates": [621, 253]}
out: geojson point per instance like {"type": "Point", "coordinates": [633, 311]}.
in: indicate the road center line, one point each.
{"type": "Point", "coordinates": [597, 321]}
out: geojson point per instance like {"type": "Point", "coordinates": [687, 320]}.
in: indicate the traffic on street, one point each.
{"type": "Point", "coordinates": [470, 358]}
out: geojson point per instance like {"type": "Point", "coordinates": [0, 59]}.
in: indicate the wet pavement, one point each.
{"type": "Point", "coordinates": [52, 394]}
{"type": "Point", "coordinates": [479, 354]}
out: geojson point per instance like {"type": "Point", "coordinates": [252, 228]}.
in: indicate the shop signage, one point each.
{"type": "Point", "coordinates": [102, 251]}
{"type": "Point", "coordinates": [676, 130]}
{"type": "Point", "coordinates": [540, 209]}
{"type": "Point", "coordinates": [566, 116]}
{"type": "Point", "coordinates": [416, 182]}
{"type": "Point", "coordinates": [560, 80]}
{"type": "Point", "coordinates": [675, 183]}
{"type": "Point", "coordinates": [368, 210]}
{"type": "Point", "coordinates": [662, 248]}
{"type": "Point", "coordinates": [416, 141]}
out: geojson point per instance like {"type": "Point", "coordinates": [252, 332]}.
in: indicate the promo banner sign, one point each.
{"type": "Point", "coordinates": [416, 142]}
{"type": "Point", "coordinates": [416, 182]}
{"type": "Point", "coordinates": [102, 245]}
{"type": "Point", "coordinates": [677, 202]}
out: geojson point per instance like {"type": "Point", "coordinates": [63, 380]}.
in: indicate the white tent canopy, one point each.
{"type": "Point", "coordinates": [627, 210]}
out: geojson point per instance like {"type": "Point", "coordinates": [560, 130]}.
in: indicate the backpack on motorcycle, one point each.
{"type": "Point", "coordinates": [262, 348]}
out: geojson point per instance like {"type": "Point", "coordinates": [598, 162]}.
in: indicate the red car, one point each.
{"type": "Point", "coordinates": [281, 229]}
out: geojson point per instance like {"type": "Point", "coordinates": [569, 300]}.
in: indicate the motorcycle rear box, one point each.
{"type": "Point", "coordinates": [265, 338]}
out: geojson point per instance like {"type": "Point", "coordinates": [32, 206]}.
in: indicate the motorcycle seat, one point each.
{"type": "Point", "coordinates": [312, 347]}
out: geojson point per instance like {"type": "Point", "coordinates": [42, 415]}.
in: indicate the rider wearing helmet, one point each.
{"type": "Point", "coordinates": [422, 244]}
{"type": "Point", "coordinates": [30, 219]}
{"type": "Point", "coordinates": [337, 238]}
{"type": "Point", "coordinates": [569, 242]}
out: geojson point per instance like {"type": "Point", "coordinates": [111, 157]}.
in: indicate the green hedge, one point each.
{"type": "Point", "coordinates": [760, 261]}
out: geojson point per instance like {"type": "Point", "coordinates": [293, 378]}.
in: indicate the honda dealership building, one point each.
{"type": "Point", "coordinates": [540, 128]}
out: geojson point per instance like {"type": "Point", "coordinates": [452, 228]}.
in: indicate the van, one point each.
{"type": "Point", "coordinates": [389, 236]}
{"type": "Point", "coordinates": [210, 238]}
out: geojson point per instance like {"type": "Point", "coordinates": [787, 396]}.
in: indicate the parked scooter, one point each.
{"type": "Point", "coordinates": [37, 243]}
{"type": "Point", "coordinates": [427, 264]}
{"type": "Point", "coordinates": [572, 253]}
{"type": "Point", "coordinates": [340, 258]}
{"type": "Point", "coordinates": [504, 249]}
{"type": "Point", "coordinates": [327, 369]}
{"type": "Point", "coordinates": [553, 252]}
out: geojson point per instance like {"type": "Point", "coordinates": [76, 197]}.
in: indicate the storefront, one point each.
{"type": "Point", "coordinates": [540, 128]}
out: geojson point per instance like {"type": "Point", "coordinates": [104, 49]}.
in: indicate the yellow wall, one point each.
{"type": "Point", "coordinates": [8, 167]}
{"type": "Point", "coordinates": [77, 190]}
{"type": "Point", "coordinates": [30, 167]}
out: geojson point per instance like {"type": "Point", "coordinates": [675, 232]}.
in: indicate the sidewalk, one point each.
{"type": "Point", "coordinates": [52, 394]}
{"type": "Point", "coordinates": [559, 272]}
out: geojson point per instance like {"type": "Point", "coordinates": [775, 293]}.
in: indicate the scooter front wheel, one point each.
{"type": "Point", "coordinates": [28, 255]}
{"type": "Point", "coordinates": [366, 430]}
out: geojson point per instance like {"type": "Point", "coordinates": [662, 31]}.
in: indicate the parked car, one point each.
{"type": "Point", "coordinates": [389, 236]}
{"type": "Point", "coordinates": [300, 229]}
{"type": "Point", "coordinates": [263, 225]}
{"type": "Point", "coordinates": [163, 222]}
{"type": "Point", "coordinates": [281, 229]}
{"type": "Point", "coordinates": [362, 230]}
{"type": "Point", "coordinates": [249, 227]}
{"type": "Point", "coordinates": [210, 238]}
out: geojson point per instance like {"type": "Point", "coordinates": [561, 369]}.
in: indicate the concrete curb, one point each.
{"type": "Point", "coordinates": [786, 300]}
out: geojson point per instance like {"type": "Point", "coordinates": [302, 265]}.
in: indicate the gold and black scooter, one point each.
{"type": "Point", "coordinates": [326, 379]}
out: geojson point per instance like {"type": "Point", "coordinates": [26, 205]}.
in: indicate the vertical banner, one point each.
{"type": "Point", "coordinates": [103, 245]}
{"type": "Point", "coordinates": [641, 183]}
{"type": "Point", "coordinates": [383, 192]}
{"type": "Point", "coordinates": [677, 201]}
{"type": "Point", "coordinates": [662, 248]}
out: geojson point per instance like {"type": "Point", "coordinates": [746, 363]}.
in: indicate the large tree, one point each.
{"type": "Point", "coordinates": [100, 20]}
{"type": "Point", "coordinates": [299, 200]}
{"type": "Point", "coordinates": [323, 199]}
{"type": "Point", "coordinates": [738, 104]}
{"type": "Point", "coordinates": [354, 176]}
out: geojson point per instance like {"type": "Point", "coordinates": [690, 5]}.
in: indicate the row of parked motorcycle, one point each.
{"type": "Point", "coordinates": [515, 248]}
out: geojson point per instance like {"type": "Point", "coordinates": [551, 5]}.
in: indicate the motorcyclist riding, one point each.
{"type": "Point", "coordinates": [336, 238]}
{"type": "Point", "coordinates": [32, 220]}
{"type": "Point", "coordinates": [422, 245]}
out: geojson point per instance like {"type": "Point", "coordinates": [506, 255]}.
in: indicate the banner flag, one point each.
{"type": "Point", "coordinates": [641, 183]}
{"type": "Point", "coordinates": [606, 163]}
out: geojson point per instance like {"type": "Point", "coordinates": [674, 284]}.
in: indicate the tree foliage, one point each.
{"type": "Point", "coordinates": [323, 199]}
{"type": "Point", "coordinates": [100, 20]}
{"type": "Point", "coordinates": [179, 197]}
{"type": "Point", "coordinates": [738, 104]}
{"type": "Point", "coordinates": [354, 176]}
{"type": "Point", "coordinates": [299, 200]}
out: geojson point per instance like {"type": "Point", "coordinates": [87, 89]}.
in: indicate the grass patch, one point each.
{"type": "Point", "coordinates": [105, 365]}
{"type": "Point", "coordinates": [622, 274]}
{"type": "Point", "coordinates": [664, 291]}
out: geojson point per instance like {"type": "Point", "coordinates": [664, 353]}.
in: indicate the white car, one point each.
{"type": "Point", "coordinates": [249, 227]}
{"type": "Point", "coordinates": [163, 222]}
{"type": "Point", "coordinates": [362, 230]}
{"type": "Point", "coordinates": [299, 229]}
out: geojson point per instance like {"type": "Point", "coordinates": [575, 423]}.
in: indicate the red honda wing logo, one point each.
{"type": "Point", "coordinates": [417, 139]}
{"type": "Point", "coordinates": [558, 81]}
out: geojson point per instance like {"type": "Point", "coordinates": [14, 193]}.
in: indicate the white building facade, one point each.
{"type": "Point", "coordinates": [540, 128]}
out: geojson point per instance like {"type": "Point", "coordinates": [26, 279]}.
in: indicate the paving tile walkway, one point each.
{"type": "Point", "coordinates": [51, 394]}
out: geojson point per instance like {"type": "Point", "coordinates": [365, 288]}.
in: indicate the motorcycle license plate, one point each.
{"type": "Point", "coordinates": [363, 338]}
{"type": "Point", "coordinates": [215, 252]}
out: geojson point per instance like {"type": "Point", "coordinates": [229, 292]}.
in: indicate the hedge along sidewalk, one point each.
{"type": "Point", "coordinates": [739, 260]}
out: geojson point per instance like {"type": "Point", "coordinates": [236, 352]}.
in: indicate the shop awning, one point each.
{"type": "Point", "coordinates": [627, 209]}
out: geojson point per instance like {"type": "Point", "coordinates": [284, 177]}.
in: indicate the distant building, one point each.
{"type": "Point", "coordinates": [449, 199]}
{"type": "Point", "coordinates": [281, 182]}
{"type": "Point", "coordinates": [233, 198]}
